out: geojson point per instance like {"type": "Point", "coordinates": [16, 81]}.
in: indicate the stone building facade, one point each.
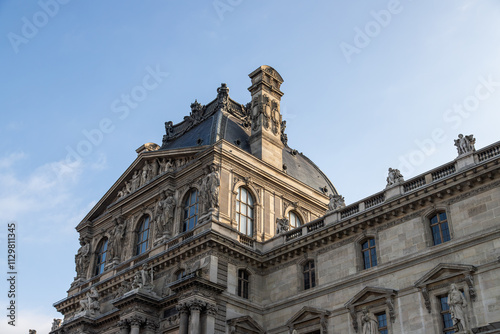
{"type": "Point", "coordinates": [226, 229]}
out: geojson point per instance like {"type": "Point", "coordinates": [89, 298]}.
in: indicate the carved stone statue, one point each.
{"type": "Point", "coordinates": [117, 240]}
{"type": "Point", "coordinates": [458, 305]}
{"type": "Point", "coordinates": [465, 144]}
{"type": "Point", "coordinates": [170, 165]}
{"type": "Point", "coordinates": [143, 279]}
{"type": "Point", "coordinates": [144, 174]}
{"type": "Point", "coordinates": [282, 225]}
{"type": "Point", "coordinates": [155, 167]}
{"type": "Point", "coordinates": [336, 202]}
{"type": "Point", "coordinates": [169, 129]}
{"type": "Point", "coordinates": [213, 184]}
{"type": "Point", "coordinates": [56, 324]}
{"type": "Point", "coordinates": [82, 258]}
{"type": "Point", "coordinates": [369, 324]}
{"type": "Point", "coordinates": [91, 301]}
{"type": "Point", "coordinates": [32, 331]}
{"type": "Point", "coordinates": [136, 180]}
{"type": "Point", "coordinates": [284, 137]}
{"type": "Point", "coordinates": [164, 214]}
{"type": "Point", "coordinates": [394, 177]}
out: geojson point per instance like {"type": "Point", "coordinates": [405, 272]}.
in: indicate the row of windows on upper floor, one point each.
{"type": "Point", "coordinates": [438, 225]}
{"type": "Point", "coordinates": [309, 279]}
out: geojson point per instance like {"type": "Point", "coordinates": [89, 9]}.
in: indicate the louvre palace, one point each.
{"type": "Point", "coordinates": [224, 228]}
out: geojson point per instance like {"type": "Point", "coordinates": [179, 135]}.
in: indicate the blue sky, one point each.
{"type": "Point", "coordinates": [368, 85]}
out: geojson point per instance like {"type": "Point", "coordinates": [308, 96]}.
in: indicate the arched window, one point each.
{"type": "Point", "coordinates": [368, 250]}
{"type": "Point", "coordinates": [190, 211]}
{"type": "Point", "coordinates": [142, 236]}
{"type": "Point", "coordinates": [243, 283]}
{"type": "Point", "coordinates": [309, 275]}
{"type": "Point", "coordinates": [439, 228]}
{"type": "Point", "coordinates": [244, 211]}
{"type": "Point", "coordinates": [100, 261]}
{"type": "Point", "coordinates": [294, 219]}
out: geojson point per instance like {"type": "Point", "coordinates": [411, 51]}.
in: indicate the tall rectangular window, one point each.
{"type": "Point", "coordinates": [369, 253]}
{"type": "Point", "coordinates": [439, 228]}
{"type": "Point", "coordinates": [243, 283]}
{"type": "Point", "coordinates": [309, 275]}
{"type": "Point", "coordinates": [448, 327]}
{"type": "Point", "coordinates": [382, 323]}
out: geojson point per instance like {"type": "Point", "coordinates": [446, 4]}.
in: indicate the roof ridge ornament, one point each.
{"type": "Point", "coordinates": [223, 97]}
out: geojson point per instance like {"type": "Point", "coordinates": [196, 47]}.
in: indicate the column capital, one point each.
{"type": "Point", "coordinates": [136, 321]}
{"type": "Point", "coordinates": [212, 309]}
{"type": "Point", "coordinates": [196, 305]}
{"type": "Point", "coordinates": [182, 307]}
{"type": "Point", "coordinates": [123, 324]}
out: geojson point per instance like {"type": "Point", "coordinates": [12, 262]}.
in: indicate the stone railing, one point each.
{"type": "Point", "coordinates": [246, 240]}
{"type": "Point", "coordinates": [488, 152]}
{"type": "Point", "coordinates": [443, 172]}
{"type": "Point", "coordinates": [415, 183]}
{"type": "Point", "coordinates": [315, 225]}
{"type": "Point", "coordinates": [349, 211]}
{"type": "Point", "coordinates": [374, 200]}
{"type": "Point", "coordinates": [293, 234]}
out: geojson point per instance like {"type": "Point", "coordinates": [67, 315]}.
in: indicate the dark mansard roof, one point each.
{"type": "Point", "coordinates": [224, 118]}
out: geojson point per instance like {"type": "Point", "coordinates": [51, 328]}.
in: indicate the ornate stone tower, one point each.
{"type": "Point", "coordinates": [265, 141]}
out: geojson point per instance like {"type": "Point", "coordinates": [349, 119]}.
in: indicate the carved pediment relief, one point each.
{"type": "Point", "coordinates": [244, 325]}
{"type": "Point", "coordinates": [443, 275]}
{"type": "Point", "coordinates": [307, 316]}
{"type": "Point", "coordinates": [371, 297]}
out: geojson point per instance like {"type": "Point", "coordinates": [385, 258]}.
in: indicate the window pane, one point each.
{"type": "Point", "coordinates": [442, 216]}
{"type": "Point", "coordinates": [366, 258]}
{"type": "Point", "coordinates": [374, 257]}
{"type": "Point", "coordinates": [436, 235]}
{"type": "Point", "coordinates": [445, 231]}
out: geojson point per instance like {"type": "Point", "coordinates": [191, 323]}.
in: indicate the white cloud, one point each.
{"type": "Point", "coordinates": [7, 162]}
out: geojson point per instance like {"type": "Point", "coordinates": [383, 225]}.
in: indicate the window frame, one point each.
{"type": "Point", "coordinates": [100, 256]}
{"type": "Point", "coordinates": [445, 315]}
{"type": "Point", "coordinates": [187, 204]}
{"type": "Point", "coordinates": [370, 252]}
{"type": "Point", "coordinates": [380, 328]}
{"type": "Point", "coordinates": [298, 218]}
{"type": "Point", "coordinates": [311, 274]}
{"type": "Point", "coordinates": [439, 224]}
{"type": "Point", "coordinates": [140, 240]}
{"type": "Point", "coordinates": [243, 288]}
{"type": "Point", "coordinates": [249, 230]}
{"type": "Point", "coordinates": [426, 221]}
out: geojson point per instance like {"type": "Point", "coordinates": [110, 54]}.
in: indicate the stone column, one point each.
{"type": "Point", "coordinates": [135, 325]}
{"type": "Point", "coordinates": [184, 316]}
{"type": "Point", "coordinates": [209, 326]}
{"type": "Point", "coordinates": [195, 308]}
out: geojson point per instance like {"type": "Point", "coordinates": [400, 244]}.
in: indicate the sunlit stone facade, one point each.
{"type": "Point", "coordinates": [223, 228]}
